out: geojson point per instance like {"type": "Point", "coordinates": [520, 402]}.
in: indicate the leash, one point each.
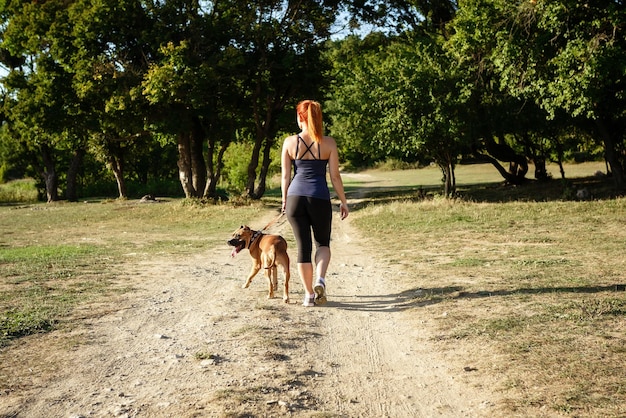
{"type": "Point", "coordinates": [260, 231]}
{"type": "Point", "coordinates": [273, 221]}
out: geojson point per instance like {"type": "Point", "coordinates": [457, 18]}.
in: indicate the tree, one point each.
{"type": "Point", "coordinates": [567, 57]}
{"type": "Point", "coordinates": [40, 100]}
{"type": "Point", "coordinates": [78, 61]}
{"type": "Point", "coordinates": [428, 17]}
{"type": "Point", "coordinates": [403, 99]}
{"type": "Point", "coordinates": [496, 121]}
{"type": "Point", "coordinates": [583, 72]}
{"type": "Point", "coordinates": [108, 53]}
{"type": "Point", "coordinates": [171, 85]}
{"type": "Point", "coordinates": [282, 44]}
{"type": "Point", "coordinates": [353, 115]}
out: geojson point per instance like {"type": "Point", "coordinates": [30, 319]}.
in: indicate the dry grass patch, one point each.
{"type": "Point", "coordinates": [57, 257]}
{"type": "Point", "coordinates": [529, 293]}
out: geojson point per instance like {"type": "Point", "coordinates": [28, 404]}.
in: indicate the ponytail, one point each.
{"type": "Point", "coordinates": [311, 112]}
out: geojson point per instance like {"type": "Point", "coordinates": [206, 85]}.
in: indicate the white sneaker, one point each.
{"type": "Point", "coordinates": [309, 301]}
{"type": "Point", "coordinates": [320, 293]}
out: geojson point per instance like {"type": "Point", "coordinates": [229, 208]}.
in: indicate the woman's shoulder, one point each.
{"type": "Point", "coordinates": [329, 142]}
{"type": "Point", "coordinates": [291, 139]}
{"type": "Point", "coordinates": [329, 146]}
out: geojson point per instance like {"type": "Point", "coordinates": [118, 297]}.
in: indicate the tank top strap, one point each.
{"type": "Point", "coordinates": [308, 149]}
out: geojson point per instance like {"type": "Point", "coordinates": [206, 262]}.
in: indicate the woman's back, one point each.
{"type": "Point", "coordinates": [309, 171]}
{"type": "Point", "coordinates": [302, 147]}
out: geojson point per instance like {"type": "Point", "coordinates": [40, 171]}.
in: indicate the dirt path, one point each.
{"type": "Point", "coordinates": [189, 342]}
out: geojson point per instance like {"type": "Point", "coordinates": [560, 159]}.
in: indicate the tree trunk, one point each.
{"type": "Point", "coordinates": [72, 174]}
{"type": "Point", "coordinates": [215, 169]}
{"type": "Point", "coordinates": [446, 164]}
{"type": "Point", "coordinates": [258, 140]}
{"type": "Point", "coordinates": [252, 166]}
{"type": "Point", "coordinates": [116, 162]}
{"type": "Point", "coordinates": [611, 155]}
{"type": "Point", "coordinates": [559, 154]}
{"type": "Point", "coordinates": [184, 165]}
{"type": "Point", "coordinates": [502, 152]}
{"type": "Point", "coordinates": [260, 190]}
{"type": "Point", "coordinates": [453, 174]}
{"type": "Point", "coordinates": [447, 179]}
{"type": "Point", "coordinates": [210, 184]}
{"type": "Point", "coordinates": [534, 153]}
{"type": "Point", "coordinates": [503, 172]}
{"type": "Point", "coordinates": [198, 165]}
{"type": "Point", "coordinates": [541, 172]}
{"type": "Point", "coordinates": [264, 119]}
{"type": "Point", "coordinates": [49, 174]}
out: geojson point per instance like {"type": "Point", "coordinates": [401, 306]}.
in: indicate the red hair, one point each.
{"type": "Point", "coordinates": [310, 111]}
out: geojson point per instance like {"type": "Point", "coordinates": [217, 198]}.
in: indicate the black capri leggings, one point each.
{"type": "Point", "coordinates": [306, 214]}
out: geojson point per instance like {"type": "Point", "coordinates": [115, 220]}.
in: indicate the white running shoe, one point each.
{"type": "Point", "coordinates": [309, 301]}
{"type": "Point", "coordinates": [320, 293]}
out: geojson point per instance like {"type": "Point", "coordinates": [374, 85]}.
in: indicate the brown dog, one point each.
{"type": "Point", "coordinates": [267, 251]}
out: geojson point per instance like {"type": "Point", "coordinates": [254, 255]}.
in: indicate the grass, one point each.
{"type": "Point", "coordinates": [531, 291]}
{"type": "Point", "coordinates": [41, 283]}
{"type": "Point", "coordinates": [56, 257]}
{"type": "Point", "coordinates": [523, 282]}
{"type": "Point", "coordinates": [480, 183]}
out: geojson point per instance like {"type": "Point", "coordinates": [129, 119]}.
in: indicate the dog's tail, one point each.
{"type": "Point", "coordinates": [269, 260]}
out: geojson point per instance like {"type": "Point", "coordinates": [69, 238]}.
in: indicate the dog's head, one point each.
{"type": "Point", "coordinates": [240, 239]}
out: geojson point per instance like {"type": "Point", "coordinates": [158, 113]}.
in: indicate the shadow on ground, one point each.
{"type": "Point", "coordinates": [421, 297]}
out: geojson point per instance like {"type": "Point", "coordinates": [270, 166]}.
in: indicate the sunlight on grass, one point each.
{"type": "Point", "coordinates": [467, 174]}
{"type": "Point", "coordinates": [524, 282]}
{"type": "Point", "coordinates": [539, 284]}
{"type": "Point", "coordinates": [54, 257]}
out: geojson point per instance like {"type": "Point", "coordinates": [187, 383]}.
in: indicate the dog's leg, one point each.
{"type": "Point", "coordinates": [286, 289]}
{"type": "Point", "coordinates": [256, 266]}
{"type": "Point", "coordinates": [284, 262]}
{"type": "Point", "coordinates": [269, 263]}
{"type": "Point", "coordinates": [266, 262]}
{"type": "Point", "coordinates": [274, 278]}
{"type": "Point", "coordinates": [269, 275]}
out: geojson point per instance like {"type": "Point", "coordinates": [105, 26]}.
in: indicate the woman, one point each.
{"type": "Point", "coordinates": [306, 198]}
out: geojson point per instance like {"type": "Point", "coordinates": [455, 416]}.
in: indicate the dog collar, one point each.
{"type": "Point", "coordinates": [254, 237]}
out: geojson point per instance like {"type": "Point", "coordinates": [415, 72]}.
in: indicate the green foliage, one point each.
{"type": "Point", "coordinates": [545, 72]}
{"type": "Point", "coordinates": [124, 80]}
{"type": "Point", "coordinates": [562, 54]}
{"type": "Point", "coordinates": [18, 191]}
{"type": "Point", "coordinates": [412, 108]}
{"type": "Point", "coordinates": [392, 164]}
{"type": "Point", "coordinates": [237, 159]}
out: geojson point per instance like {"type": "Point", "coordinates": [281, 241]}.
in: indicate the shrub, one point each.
{"type": "Point", "coordinates": [19, 191]}
{"type": "Point", "coordinates": [236, 160]}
